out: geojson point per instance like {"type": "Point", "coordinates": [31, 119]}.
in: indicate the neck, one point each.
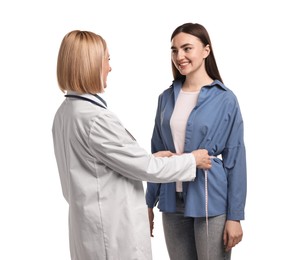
{"type": "Point", "coordinates": [192, 85]}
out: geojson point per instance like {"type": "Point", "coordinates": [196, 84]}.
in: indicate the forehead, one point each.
{"type": "Point", "coordinates": [184, 38]}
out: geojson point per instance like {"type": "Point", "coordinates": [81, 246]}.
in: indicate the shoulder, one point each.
{"type": "Point", "coordinates": [224, 90]}
{"type": "Point", "coordinates": [175, 86]}
{"type": "Point", "coordinates": [167, 91]}
{"type": "Point", "coordinates": [105, 118]}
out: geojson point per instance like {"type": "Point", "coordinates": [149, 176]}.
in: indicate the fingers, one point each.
{"type": "Point", "coordinates": [151, 220]}
{"type": "Point", "coordinates": [207, 163]}
{"type": "Point", "coordinates": [232, 234]}
{"type": "Point", "coordinates": [151, 228]}
{"type": "Point", "coordinates": [203, 160]}
{"type": "Point", "coordinates": [163, 154]}
{"type": "Point", "coordinates": [232, 242]}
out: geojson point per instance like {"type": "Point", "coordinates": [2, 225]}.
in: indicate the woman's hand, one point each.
{"type": "Point", "coordinates": [164, 154]}
{"type": "Point", "coordinates": [203, 160]}
{"type": "Point", "coordinates": [232, 234]}
{"type": "Point", "coordinates": [151, 221]}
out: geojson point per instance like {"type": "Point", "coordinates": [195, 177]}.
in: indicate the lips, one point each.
{"type": "Point", "coordinates": [182, 65]}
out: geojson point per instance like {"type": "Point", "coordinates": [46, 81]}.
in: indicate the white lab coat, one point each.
{"type": "Point", "coordinates": [101, 169]}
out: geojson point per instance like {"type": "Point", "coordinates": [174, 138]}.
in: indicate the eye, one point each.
{"type": "Point", "coordinates": [187, 49]}
{"type": "Point", "coordinates": [173, 51]}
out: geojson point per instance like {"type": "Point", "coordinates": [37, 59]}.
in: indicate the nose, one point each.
{"type": "Point", "coordinates": [180, 55]}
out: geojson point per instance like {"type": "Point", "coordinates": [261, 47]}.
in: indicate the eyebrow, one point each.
{"type": "Point", "coordinates": [184, 45]}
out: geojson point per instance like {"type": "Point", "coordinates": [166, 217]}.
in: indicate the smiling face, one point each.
{"type": "Point", "coordinates": [188, 54]}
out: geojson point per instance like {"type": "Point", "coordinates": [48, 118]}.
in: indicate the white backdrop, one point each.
{"type": "Point", "coordinates": [252, 45]}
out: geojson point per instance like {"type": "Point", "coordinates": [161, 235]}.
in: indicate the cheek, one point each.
{"type": "Point", "coordinates": [197, 58]}
{"type": "Point", "coordinates": [173, 58]}
{"type": "Point", "coordinates": [104, 74]}
{"type": "Point", "coordinates": [106, 70]}
{"type": "Point", "coordinates": [174, 61]}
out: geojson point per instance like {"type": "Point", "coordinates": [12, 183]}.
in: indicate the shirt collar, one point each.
{"type": "Point", "coordinates": [179, 82]}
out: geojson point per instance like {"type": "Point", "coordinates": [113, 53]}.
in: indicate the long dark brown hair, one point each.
{"type": "Point", "coordinates": [201, 33]}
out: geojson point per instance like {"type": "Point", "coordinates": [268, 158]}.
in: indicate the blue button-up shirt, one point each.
{"type": "Point", "coordinates": [214, 124]}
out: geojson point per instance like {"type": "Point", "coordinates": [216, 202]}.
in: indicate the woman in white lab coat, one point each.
{"type": "Point", "coordinates": [100, 164]}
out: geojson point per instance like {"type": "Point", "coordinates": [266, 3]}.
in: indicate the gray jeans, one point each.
{"type": "Point", "coordinates": [186, 238]}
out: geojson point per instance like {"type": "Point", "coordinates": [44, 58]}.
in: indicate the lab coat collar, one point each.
{"type": "Point", "coordinates": [94, 97]}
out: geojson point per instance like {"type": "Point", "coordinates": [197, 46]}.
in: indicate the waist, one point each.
{"type": "Point", "coordinates": [179, 195]}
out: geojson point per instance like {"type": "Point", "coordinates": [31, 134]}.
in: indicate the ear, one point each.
{"type": "Point", "coordinates": [207, 51]}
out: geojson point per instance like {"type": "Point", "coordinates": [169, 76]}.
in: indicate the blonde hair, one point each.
{"type": "Point", "coordinates": [80, 62]}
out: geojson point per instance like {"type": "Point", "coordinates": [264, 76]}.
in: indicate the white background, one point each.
{"type": "Point", "coordinates": [252, 45]}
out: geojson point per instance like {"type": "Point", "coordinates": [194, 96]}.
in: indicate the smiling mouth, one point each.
{"type": "Point", "coordinates": [182, 65]}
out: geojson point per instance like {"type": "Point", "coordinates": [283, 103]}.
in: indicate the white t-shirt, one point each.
{"type": "Point", "coordinates": [185, 103]}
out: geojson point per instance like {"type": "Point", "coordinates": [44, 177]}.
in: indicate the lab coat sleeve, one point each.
{"type": "Point", "coordinates": [116, 149]}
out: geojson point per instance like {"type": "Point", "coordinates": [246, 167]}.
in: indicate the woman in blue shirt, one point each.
{"type": "Point", "coordinates": [201, 219]}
